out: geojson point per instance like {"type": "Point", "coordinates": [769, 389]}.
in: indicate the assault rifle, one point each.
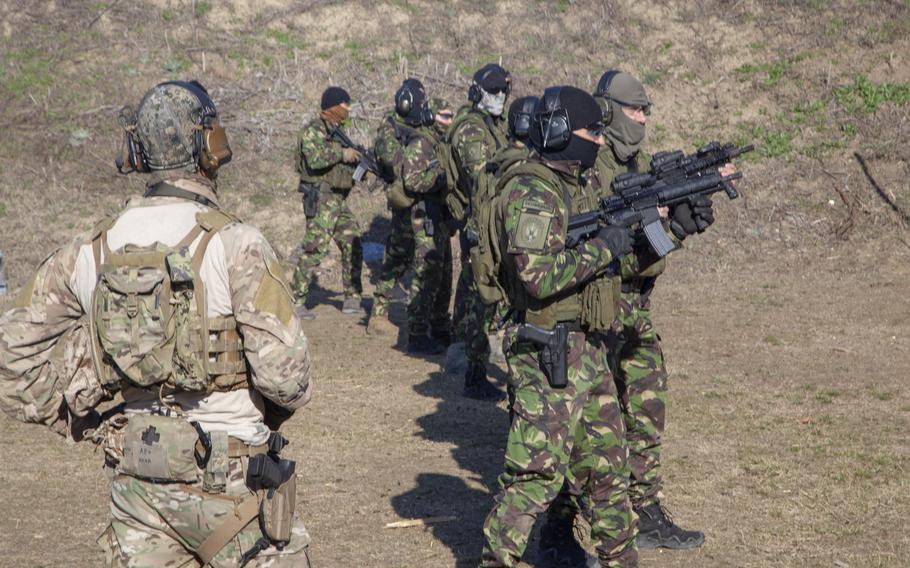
{"type": "Point", "coordinates": [368, 161]}
{"type": "Point", "coordinates": [674, 178]}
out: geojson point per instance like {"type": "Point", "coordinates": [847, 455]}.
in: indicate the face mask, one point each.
{"type": "Point", "coordinates": [335, 115]}
{"type": "Point", "coordinates": [579, 150]}
{"type": "Point", "coordinates": [493, 104]}
{"type": "Point", "coordinates": [624, 134]}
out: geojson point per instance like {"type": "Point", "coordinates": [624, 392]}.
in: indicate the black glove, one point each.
{"type": "Point", "coordinates": [617, 239]}
{"type": "Point", "coordinates": [275, 415]}
{"type": "Point", "coordinates": [703, 211]}
{"type": "Point", "coordinates": [682, 220]}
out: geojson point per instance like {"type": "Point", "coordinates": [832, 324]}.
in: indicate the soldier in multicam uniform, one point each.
{"type": "Point", "coordinates": [636, 355]}
{"type": "Point", "coordinates": [572, 433]}
{"type": "Point", "coordinates": [477, 133]}
{"type": "Point", "coordinates": [203, 393]}
{"type": "Point", "coordinates": [406, 146]}
{"type": "Point", "coordinates": [325, 168]}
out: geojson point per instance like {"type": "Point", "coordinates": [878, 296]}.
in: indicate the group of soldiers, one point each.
{"type": "Point", "coordinates": [185, 312]}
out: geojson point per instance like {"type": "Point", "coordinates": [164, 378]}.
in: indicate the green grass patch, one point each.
{"type": "Point", "coordinates": [261, 200]}
{"type": "Point", "coordinates": [772, 340]}
{"type": "Point", "coordinates": [168, 15]}
{"type": "Point", "coordinates": [651, 78]}
{"type": "Point", "coordinates": [758, 46]}
{"type": "Point", "coordinates": [2, 209]}
{"type": "Point", "coordinates": [202, 8]}
{"type": "Point", "coordinates": [177, 65]}
{"type": "Point", "coordinates": [664, 47]}
{"type": "Point", "coordinates": [287, 39]}
{"type": "Point", "coordinates": [866, 96]}
{"type": "Point", "coordinates": [879, 394]}
{"type": "Point", "coordinates": [28, 70]}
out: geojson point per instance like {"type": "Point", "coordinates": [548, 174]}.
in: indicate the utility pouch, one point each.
{"type": "Point", "coordinates": [599, 300]}
{"type": "Point", "coordinates": [214, 478]}
{"type": "Point", "coordinates": [310, 193]}
{"type": "Point", "coordinates": [455, 206]}
{"type": "Point", "coordinates": [159, 448]}
{"type": "Point", "coordinates": [275, 480]}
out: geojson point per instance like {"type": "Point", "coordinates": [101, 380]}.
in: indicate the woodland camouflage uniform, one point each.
{"type": "Point", "coordinates": [476, 137]}
{"type": "Point", "coordinates": [418, 234]}
{"type": "Point", "coordinates": [319, 161]}
{"type": "Point", "coordinates": [573, 434]}
{"type": "Point", "coordinates": [479, 317]}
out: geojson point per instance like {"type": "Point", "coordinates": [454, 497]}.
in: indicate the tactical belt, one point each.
{"type": "Point", "coordinates": [163, 189]}
{"type": "Point", "coordinates": [236, 448]}
{"type": "Point", "coordinates": [519, 317]}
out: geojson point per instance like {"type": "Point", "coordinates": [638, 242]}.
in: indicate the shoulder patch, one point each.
{"type": "Point", "coordinates": [532, 230]}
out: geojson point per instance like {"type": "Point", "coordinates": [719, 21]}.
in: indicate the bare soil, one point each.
{"type": "Point", "coordinates": [786, 326]}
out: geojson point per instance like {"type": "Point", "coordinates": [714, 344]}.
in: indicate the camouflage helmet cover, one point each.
{"type": "Point", "coordinates": [167, 121]}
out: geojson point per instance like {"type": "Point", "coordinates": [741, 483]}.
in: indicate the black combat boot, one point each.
{"type": "Point", "coordinates": [558, 545]}
{"type": "Point", "coordinates": [442, 336]}
{"type": "Point", "coordinates": [477, 386]}
{"type": "Point", "coordinates": [422, 344]}
{"type": "Point", "coordinates": [656, 529]}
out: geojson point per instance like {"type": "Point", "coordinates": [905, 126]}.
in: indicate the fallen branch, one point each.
{"type": "Point", "coordinates": [419, 522]}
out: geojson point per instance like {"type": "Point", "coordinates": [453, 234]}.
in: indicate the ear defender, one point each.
{"type": "Point", "coordinates": [602, 86]}
{"type": "Point", "coordinates": [474, 93]}
{"type": "Point", "coordinates": [553, 121]}
{"type": "Point", "coordinates": [404, 100]}
{"type": "Point", "coordinates": [211, 143]}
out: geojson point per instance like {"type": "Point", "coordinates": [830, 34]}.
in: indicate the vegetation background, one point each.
{"type": "Point", "coordinates": [785, 326]}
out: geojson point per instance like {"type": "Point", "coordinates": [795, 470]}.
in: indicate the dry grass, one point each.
{"type": "Point", "coordinates": [785, 325]}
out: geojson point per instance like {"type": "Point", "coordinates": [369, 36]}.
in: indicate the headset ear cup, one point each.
{"type": "Point", "coordinates": [474, 94]}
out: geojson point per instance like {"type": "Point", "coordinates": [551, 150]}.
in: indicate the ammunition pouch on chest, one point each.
{"type": "Point", "coordinates": [149, 318]}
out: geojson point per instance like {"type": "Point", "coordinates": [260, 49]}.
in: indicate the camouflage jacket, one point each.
{"type": "Point", "coordinates": [319, 159]}
{"type": "Point", "coordinates": [642, 263]}
{"type": "Point", "coordinates": [410, 153]}
{"type": "Point", "coordinates": [46, 369]}
{"type": "Point", "coordinates": [476, 136]}
{"type": "Point", "coordinates": [532, 216]}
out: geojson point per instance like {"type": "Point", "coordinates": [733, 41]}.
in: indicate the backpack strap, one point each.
{"type": "Point", "coordinates": [164, 189]}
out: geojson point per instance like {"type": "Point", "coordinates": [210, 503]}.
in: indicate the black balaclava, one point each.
{"type": "Point", "coordinates": [521, 115]}
{"type": "Point", "coordinates": [583, 111]}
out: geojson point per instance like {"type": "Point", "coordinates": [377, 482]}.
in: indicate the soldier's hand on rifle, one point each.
{"type": "Point", "coordinates": [617, 239]}
{"type": "Point", "coordinates": [664, 212]}
{"type": "Point", "coordinates": [726, 170]}
{"type": "Point", "coordinates": [703, 212]}
{"type": "Point", "coordinates": [682, 220]}
{"type": "Point", "coordinates": [350, 155]}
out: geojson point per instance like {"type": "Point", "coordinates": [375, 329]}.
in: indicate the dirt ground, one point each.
{"type": "Point", "coordinates": [786, 326]}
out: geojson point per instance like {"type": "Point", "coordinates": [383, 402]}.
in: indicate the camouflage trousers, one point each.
{"type": "Point", "coordinates": [573, 435]}
{"type": "Point", "coordinates": [160, 524]}
{"type": "Point", "coordinates": [410, 242]}
{"type": "Point", "coordinates": [641, 379]}
{"type": "Point", "coordinates": [334, 221]}
{"type": "Point", "coordinates": [462, 290]}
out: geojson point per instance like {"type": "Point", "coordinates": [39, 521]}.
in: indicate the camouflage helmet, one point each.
{"type": "Point", "coordinates": [167, 123]}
